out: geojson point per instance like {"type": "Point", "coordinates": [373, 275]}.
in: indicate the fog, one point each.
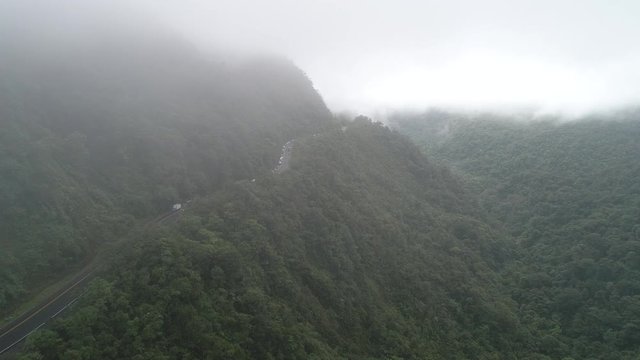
{"type": "Point", "coordinates": [363, 56]}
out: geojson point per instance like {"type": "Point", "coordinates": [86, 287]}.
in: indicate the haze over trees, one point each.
{"type": "Point", "coordinates": [438, 236]}
{"type": "Point", "coordinates": [349, 253]}
{"type": "Point", "coordinates": [569, 195]}
{"type": "Point", "coordinates": [94, 139]}
{"type": "Point", "coordinates": [346, 255]}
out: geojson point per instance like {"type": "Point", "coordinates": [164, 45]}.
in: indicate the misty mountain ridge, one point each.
{"type": "Point", "coordinates": [493, 240]}
{"type": "Point", "coordinates": [89, 140]}
{"type": "Point", "coordinates": [345, 255]}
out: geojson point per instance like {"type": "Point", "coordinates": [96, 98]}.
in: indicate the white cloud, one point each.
{"type": "Point", "coordinates": [569, 55]}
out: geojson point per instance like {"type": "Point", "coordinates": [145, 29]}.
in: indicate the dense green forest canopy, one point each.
{"type": "Point", "coordinates": [362, 250]}
{"type": "Point", "coordinates": [569, 194]}
{"type": "Point", "coordinates": [95, 137]}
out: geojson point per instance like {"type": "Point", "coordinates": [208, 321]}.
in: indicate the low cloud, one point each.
{"type": "Point", "coordinates": [556, 56]}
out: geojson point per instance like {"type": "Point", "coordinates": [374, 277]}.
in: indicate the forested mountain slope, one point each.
{"type": "Point", "coordinates": [360, 249]}
{"type": "Point", "coordinates": [99, 133]}
{"type": "Point", "coordinates": [569, 193]}
{"type": "Point", "coordinates": [363, 249]}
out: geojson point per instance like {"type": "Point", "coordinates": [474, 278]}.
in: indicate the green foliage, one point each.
{"type": "Point", "coordinates": [362, 250]}
{"type": "Point", "coordinates": [569, 194]}
{"type": "Point", "coordinates": [92, 142]}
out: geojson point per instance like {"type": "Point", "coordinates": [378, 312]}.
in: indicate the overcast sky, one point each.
{"type": "Point", "coordinates": [573, 56]}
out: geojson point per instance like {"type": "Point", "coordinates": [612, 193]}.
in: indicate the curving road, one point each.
{"type": "Point", "coordinates": [19, 329]}
{"type": "Point", "coordinates": [285, 157]}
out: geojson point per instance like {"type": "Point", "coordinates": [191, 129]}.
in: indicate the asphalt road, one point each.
{"type": "Point", "coordinates": [19, 329]}
{"type": "Point", "coordinates": [26, 324]}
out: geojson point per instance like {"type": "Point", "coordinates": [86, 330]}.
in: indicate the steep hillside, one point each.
{"type": "Point", "coordinates": [96, 136]}
{"type": "Point", "coordinates": [362, 249]}
{"type": "Point", "coordinates": [569, 194]}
